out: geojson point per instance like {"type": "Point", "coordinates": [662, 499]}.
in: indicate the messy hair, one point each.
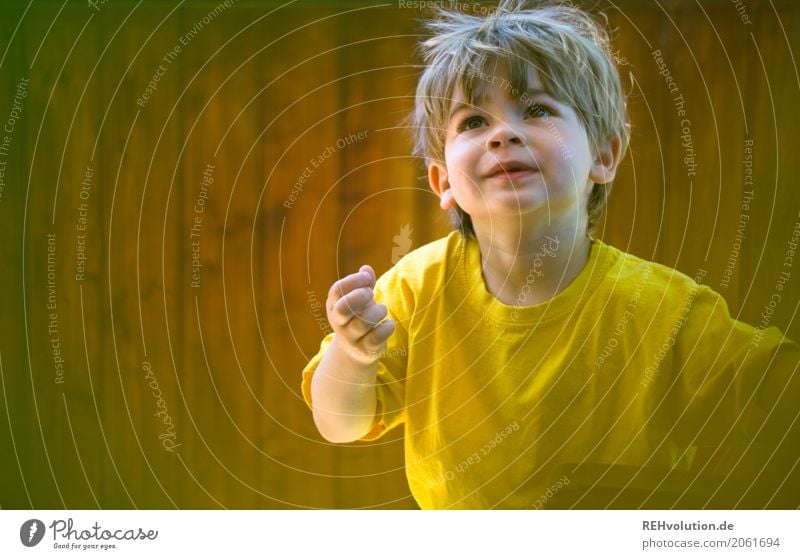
{"type": "Point", "coordinates": [570, 51]}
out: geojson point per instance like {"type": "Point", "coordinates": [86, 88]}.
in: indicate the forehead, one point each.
{"type": "Point", "coordinates": [477, 84]}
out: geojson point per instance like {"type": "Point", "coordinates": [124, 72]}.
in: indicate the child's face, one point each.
{"type": "Point", "coordinates": [517, 154]}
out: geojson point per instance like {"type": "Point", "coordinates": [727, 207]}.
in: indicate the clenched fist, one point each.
{"type": "Point", "coordinates": [359, 328]}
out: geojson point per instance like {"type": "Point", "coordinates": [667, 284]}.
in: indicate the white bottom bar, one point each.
{"type": "Point", "coordinates": [400, 534]}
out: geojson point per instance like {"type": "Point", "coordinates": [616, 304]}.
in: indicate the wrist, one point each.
{"type": "Point", "coordinates": [355, 356]}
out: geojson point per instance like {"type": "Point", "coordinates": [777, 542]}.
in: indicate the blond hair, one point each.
{"type": "Point", "coordinates": [569, 49]}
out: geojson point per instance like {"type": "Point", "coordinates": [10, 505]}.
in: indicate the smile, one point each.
{"type": "Point", "coordinates": [513, 175]}
{"type": "Point", "coordinates": [510, 171]}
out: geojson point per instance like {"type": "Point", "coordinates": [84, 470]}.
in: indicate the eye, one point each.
{"type": "Point", "coordinates": [470, 123]}
{"type": "Point", "coordinates": [537, 111]}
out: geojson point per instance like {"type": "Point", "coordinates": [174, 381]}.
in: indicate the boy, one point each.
{"type": "Point", "coordinates": [532, 365]}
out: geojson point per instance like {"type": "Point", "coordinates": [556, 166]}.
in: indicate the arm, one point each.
{"type": "Point", "coordinates": [733, 374]}
{"type": "Point", "coordinates": [343, 386]}
{"type": "Point", "coordinates": [343, 391]}
{"type": "Point", "coordinates": [780, 389]}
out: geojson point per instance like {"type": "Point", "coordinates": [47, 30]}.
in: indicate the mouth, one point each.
{"type": "Point", "coordinates": [511, 170]}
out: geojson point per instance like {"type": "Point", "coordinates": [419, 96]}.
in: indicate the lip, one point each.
{"type": "Point", "coordinates": [510, 170]}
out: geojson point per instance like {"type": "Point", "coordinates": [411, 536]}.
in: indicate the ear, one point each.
{"type": "Point", "coordinates": [604, 167]}
{"type": "Point", "coordinates": [437, 178]}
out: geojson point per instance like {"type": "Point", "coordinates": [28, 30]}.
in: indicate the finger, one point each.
{"type": "Point", "coordinates": [365, 320]}
{"type": "Point", "coordinates": [379, 334]}
{"type": "Point", "coordinates": [366, 268]}
{"type": "Point", "coordinates": [347, 284]}
{"type": "Point", "coordinates": [352, 303]}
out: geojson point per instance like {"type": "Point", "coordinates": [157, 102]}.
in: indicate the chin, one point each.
{"type": "Point", "coordinates": [513, 205]}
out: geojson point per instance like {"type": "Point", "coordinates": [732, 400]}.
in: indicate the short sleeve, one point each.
{"type": "Point", "coordinates": [392, 366]}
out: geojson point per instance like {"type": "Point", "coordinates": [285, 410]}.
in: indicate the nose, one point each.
{"type": "Point", "coordinates": [503, 133]}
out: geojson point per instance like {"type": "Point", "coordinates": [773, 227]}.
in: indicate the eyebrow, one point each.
{"type": "Point", "coordinates": [534, 91]}
{"type": "Point", "coordinates": [530, 93]}
{"type": "Point", "coordinates": [460, 106]}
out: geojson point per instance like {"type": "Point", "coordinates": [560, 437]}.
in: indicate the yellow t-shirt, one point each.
{"type": "Point", "coordinates": [633, 387]}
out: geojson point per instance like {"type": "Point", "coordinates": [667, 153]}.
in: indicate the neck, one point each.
{"type": "Point", "coordinates": [528, 265]}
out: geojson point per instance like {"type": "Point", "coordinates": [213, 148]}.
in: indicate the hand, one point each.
{"type": "Point", "coordinates": [357, 320]}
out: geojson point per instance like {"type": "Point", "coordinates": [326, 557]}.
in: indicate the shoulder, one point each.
{"type": "Point", "coordinates": [427, 261]}
{"type": "Point", "coordinates": [423, 271]}
{"type": "Point", "coordinates": [433, 252]}
{"type": "Point", "coordinates": [652, 282]}
{"type": "Point", "coordinates": [684, 302]}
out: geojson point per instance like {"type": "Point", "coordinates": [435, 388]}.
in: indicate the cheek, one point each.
{"type": "Point", "coordinates": [452, 155]}
{"type": "Point", "coordinates": [466, 143]}
{"type": "Point", "coordinates": [568, 157]}
{"type": "Point", "coordinates": [461, 157]}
